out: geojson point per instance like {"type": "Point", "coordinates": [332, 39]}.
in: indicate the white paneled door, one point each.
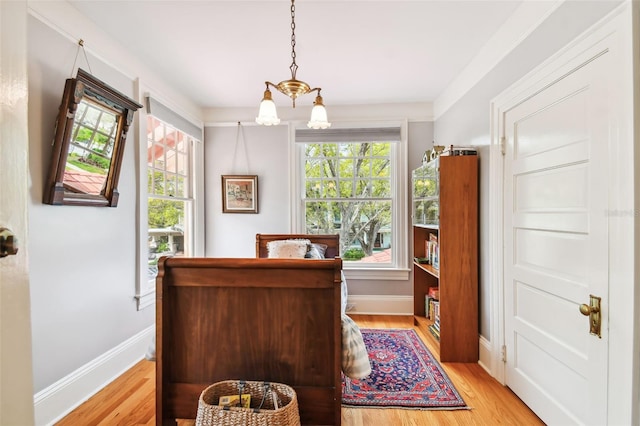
{"type": "Point", "coordinates": [556, 242]}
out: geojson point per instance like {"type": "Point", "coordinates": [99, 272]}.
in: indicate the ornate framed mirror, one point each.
{"type": "Point", "coordinates": [91, 130]}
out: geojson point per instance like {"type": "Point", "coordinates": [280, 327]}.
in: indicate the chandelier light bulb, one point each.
{"type": "Point", "coordinates": [267, 115]}
{"type": "Point", "coordinates": [318, 115]}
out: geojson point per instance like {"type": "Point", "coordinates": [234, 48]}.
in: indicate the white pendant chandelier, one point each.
{"type": "Point", "coordinates": [293, 88]}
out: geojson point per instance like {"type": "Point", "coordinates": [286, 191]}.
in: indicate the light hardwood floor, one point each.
{"type": "Point", "coordinates": [130, 399]}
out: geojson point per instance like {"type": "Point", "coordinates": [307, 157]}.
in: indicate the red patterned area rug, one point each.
{"type": "Point", "coordinates": [404, 374]}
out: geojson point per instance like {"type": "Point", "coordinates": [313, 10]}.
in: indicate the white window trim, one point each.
{"type": "Point", "coordinates": [398, 272]}
{"type": "Point", "coordinates": [145, 292]}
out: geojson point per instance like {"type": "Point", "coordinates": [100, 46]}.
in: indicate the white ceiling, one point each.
{"type": "Point", "coordinates": [219, 53]}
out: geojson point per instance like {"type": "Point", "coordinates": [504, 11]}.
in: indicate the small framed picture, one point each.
{"type": "Point", "coordinates": [239, 194]}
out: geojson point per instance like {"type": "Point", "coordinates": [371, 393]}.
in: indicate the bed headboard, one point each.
{"type": "Point", "coordinates": [331, 241]}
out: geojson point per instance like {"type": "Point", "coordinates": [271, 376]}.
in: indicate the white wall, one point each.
{"type": "Point", "coordinates": [82, 305]}
{"type": "Point", "coordinates": [232, 234]}
{"type": "Point", "coordinates": [267, 155]}
{"type": "Point", "coordinates": [466, 123]}
{"type": "Point", "coordinates": [82, 260]}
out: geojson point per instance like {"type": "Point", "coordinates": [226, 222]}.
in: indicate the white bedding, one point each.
{"type": "Point", "coordinates": [344, 294]}
{"type": "Point", "coordinates": [355, 358]}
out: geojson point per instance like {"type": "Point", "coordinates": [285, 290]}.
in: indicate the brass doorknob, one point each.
{"type": "Point", "coordinates": [8, 243]}
{"type": "Point", "coordinates": [587, 310]}
{"type": "Point", "coordinates": [592, 310]}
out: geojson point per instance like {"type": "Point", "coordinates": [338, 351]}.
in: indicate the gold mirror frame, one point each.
{"type": "Point", "coordinates": [89, 178]}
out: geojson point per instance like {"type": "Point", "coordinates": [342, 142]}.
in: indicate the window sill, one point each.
{"type": "Point", "coordinates": [377, 274]}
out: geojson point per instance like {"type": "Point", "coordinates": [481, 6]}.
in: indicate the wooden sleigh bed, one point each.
{"type": "Point", "coordinates": [259, 319]}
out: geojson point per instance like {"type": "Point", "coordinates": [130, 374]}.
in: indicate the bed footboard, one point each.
{"type": "Point", "coordinates": [252, 319]}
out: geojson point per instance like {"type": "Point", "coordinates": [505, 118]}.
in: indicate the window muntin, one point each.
{"type": "Point", "coordinates": [348, 190]}
{"type": "Point", "coordinates": [170, 192]}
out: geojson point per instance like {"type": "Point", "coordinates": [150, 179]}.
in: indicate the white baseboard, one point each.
{"type": "Point", "coordinates": [380, 305]}
{"type": "Point", "coordinates": [56, 401]}
{"type": "Point", "coordinates": [486, 355]}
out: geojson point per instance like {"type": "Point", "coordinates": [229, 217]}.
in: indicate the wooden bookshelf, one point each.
{"type": "Point", "coordinates": [456, 277]}
{"type": "Point", "coordinates": [429, 269]}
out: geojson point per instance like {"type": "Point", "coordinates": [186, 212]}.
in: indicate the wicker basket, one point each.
{"type": "Point", "coordinates": [261, 413]}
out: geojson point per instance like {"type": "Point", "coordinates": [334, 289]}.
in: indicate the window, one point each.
{"type": "Point", "coordinates": [169, 178]}
{"type": "Point", "coordinates": [170, 198]}
{"type": "Point", "coordinates": [353, 183]}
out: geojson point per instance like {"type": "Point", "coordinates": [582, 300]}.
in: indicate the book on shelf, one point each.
{"type": "Point", "coordinates": [435, 332]}
{"type": "Point", "coordinates": [436, 258]}
{"type": "Point", "coordinates": [458, 150]}
{"type": "Point", "coordinates": [432, 294]}
{"type": "Point", "coordinates": [433, 251]}
{"type": "Point", "coordinates": [426, 305]}
{"type": "Point", "coordinates": [434, 310]}
{"type": "Point", "coordinates": [234, 400]}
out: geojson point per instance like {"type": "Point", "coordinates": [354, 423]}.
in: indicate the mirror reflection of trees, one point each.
{"type": "Point", "coordinates": [348, 191]}
{"type": "Point", "coordinates": [91, 147]}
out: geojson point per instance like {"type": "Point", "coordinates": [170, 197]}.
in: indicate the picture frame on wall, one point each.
{"type": "Point", "coordinates": [239, 194]}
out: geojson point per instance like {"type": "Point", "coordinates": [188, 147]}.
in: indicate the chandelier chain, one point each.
{"type": "Point", "coordinates": [293, 88]}
{"type": "Point", "coordinates": [294, 66]}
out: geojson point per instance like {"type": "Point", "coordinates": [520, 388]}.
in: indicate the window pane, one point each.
{"type": "Point", "coordinates": [171, 185]}
{"type": "Point", "coordinates": [363, 188]}
{"type": "Point", "coordinates": [347, 166]}
{"type": "Point", "coordinates": [313, 167]}
{"type": "Point", "coordinates": [381, 188]}
{"type": "Point", "coordinates": [346, 189]}
{"type": "Point", "coordinates": [363, 169]}
{"type": "Point", "coordinates": [156, 182]}
{"type": "Point", "coordinates": [159, 157]}
{"type": "Point", "coordinates": [313, 149]}
{"type": "Point", "coordinates": [181, 189]}
{"type": "Point", "coordinates": [182, 164]}
{"type": "Point", "coordinates": [355, 181]}
{"type": "Point", "coordinates": [330, 189]}
{"type": "Point", "coordinates": [313, 188]}
{"type": "Point", "coordinates": [166, 231]}
{"type": "Point", "coordinates": [170, 158]}
{"type": "Point", "coordinates": [364, 227]}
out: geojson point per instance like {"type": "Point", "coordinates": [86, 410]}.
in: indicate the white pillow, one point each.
{"type": "Point", "coordinates": [295, 249]}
